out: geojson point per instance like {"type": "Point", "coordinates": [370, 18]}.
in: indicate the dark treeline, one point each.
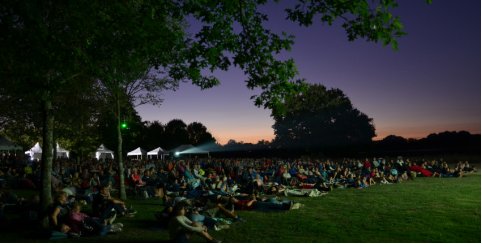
{"type": "Point", "coordinates": [443, 142]}
{"type": "Point", "coordinates": [448, 140]}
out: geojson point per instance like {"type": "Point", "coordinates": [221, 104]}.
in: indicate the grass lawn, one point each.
{"type": "Point", "coordinates": [423, 210]}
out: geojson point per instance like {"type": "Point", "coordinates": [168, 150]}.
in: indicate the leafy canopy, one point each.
{"type": "Point", "coordinates": [47, 44]}
{"type": "Point", "coordinates": [320, 118]}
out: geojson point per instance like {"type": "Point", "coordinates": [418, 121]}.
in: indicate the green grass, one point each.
{"type": "Point", "coordinates": [423, 210]}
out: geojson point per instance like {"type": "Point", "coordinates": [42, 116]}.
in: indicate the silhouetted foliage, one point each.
{"type": "Point", "coordinates": [442, 140]}
{"type": "Point", "coordinates": [321, 119]}
{"type": "Point", "coordinates": [198, 134]}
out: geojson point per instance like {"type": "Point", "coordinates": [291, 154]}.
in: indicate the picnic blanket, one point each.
{"type": "Point", "coordinates": [420, 169]}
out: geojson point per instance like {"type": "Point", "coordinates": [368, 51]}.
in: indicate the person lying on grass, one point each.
{"type": "Point", "coordinates": [165, 216]}
{"type": "Point", "coordinates": [254, 203]}
{"type": "Point", "coordinates": [293, 192]}
{"type": "Point", "coordinates": [204, 206]}
{"type": "Point", "coordinates": [320, 185]}
{"type": "Point", "coordinates": [181, 228]}
{"type": "Point", "coordinates": [469, 170]}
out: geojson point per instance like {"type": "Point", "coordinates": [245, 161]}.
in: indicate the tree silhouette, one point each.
{"type": "Point", "coordinates": [153, 135]}
{"type": "Point", "coordinates": [176, 133]}
{"type": "Point", "coordinates": [198, 134]}
{"type": "Point", "coordinates": [321, 118]}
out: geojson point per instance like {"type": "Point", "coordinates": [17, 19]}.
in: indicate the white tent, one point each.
{"type": "Point", "coordinates": [104, 152]}
{"type": "Point", "coordinates": [35, 151]}
{"type": "Point", "coordinates": [62, 152]}
{"type": "Point", "coordinates": [6, 145]}
{"type": "Point", "coordinates": [158, 151]}
{"type": "Point", "coordinates": [136, 152]}
{"type": "Point", "coordinates": [187, 149]}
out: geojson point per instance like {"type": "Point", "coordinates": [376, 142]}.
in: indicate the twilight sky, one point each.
{"type": "Point", "coordinates": [432, 85]}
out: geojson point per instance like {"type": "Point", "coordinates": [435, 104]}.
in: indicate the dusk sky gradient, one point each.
{"type": "Point", "coordinates": [432, 85]}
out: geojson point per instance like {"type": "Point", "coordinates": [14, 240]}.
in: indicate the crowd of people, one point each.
{"type": "Point", "coordinates": [199, 194]}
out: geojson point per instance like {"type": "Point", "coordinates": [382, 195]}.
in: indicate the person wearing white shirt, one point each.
{"type": "Point", "coordinates": [376, 164]}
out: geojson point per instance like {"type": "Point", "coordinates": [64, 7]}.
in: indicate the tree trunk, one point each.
{"type": "Point", "coordinates": [122, 189]}
{"type": "Point", "coordinates": [54, 157]}
{"type": "Point", "coordinates": [46, 165]}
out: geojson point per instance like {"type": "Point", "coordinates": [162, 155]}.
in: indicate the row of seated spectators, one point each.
{"type": "Point", "coordinates": [236, 183]}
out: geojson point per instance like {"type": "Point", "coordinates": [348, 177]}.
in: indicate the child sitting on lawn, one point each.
{"type": "Point", "coordinates": [78, 222]}
{"type": "Point", "coordinates": [363, 183]}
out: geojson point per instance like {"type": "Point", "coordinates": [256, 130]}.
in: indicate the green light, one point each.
{"type": "Point", "coordinates": [124, 125]}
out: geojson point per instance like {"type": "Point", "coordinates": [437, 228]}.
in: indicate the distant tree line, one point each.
{"type": "Point", "coordinates": [442, 140]}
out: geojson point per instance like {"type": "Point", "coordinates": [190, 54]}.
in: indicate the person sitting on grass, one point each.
{"type": "Point", "coordinates": [181, 228]}
{"type": "Point", "coordinates": [371, 181]}
{"type": "Point", "coordinates": [103, 204]}
{"type": "Point", "coordinates": [223, 186]}
{"type": "Point", "coordinates": [350, 180]}
{"type": "Point", "coordinates": [457, 173]}
{"type": "Point", "coordinates": [468, 169]}
{"type": "Point", "coordinates": [60, 209]}
{"type": "Point", "coordinates": [357, 183]}
{"type": "Point", "coordinates": [461, 165]}
{"type": "Point", "coordinates": [286, 179]}
{"type": "Point", "coordinates": [363, 183]}
{"type": "Point", "coordinates": [384, 181]}
{"type": "Point", "coordinates": [266, 180]}
{"type": "Point", "coordinates": [79, 222]}
{"type": "Point", "coordinates": [150, 185]}
{"type": "Point", "coordinates": [258, 180]}
{"type": "Point", "coordinates": [76, 180]}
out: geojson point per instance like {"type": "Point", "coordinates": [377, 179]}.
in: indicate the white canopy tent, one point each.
{"type": "Point", "coordinates": [136, 152]}
{"type": "Point", "coordinates": [62, 152]}
{"type": "Point", "coordinates": [36, 151]}
{"type": "Point", "coordinates": [104, 152]}
{"type": "Point", "coordinates": [158, 151]}
{"type": "Point", "coordinates": [187, 149]}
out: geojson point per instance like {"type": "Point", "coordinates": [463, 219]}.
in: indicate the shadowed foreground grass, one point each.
{"type": "Point", "coordinates": [423, 210]}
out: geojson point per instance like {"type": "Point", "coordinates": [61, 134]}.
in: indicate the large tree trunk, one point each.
{"type": "Point", "coordinates": [122, 189]}
{"type": "Point", "coordinates": [46, 165]}
{"type": "Point", "coordinates": [54, 157]}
